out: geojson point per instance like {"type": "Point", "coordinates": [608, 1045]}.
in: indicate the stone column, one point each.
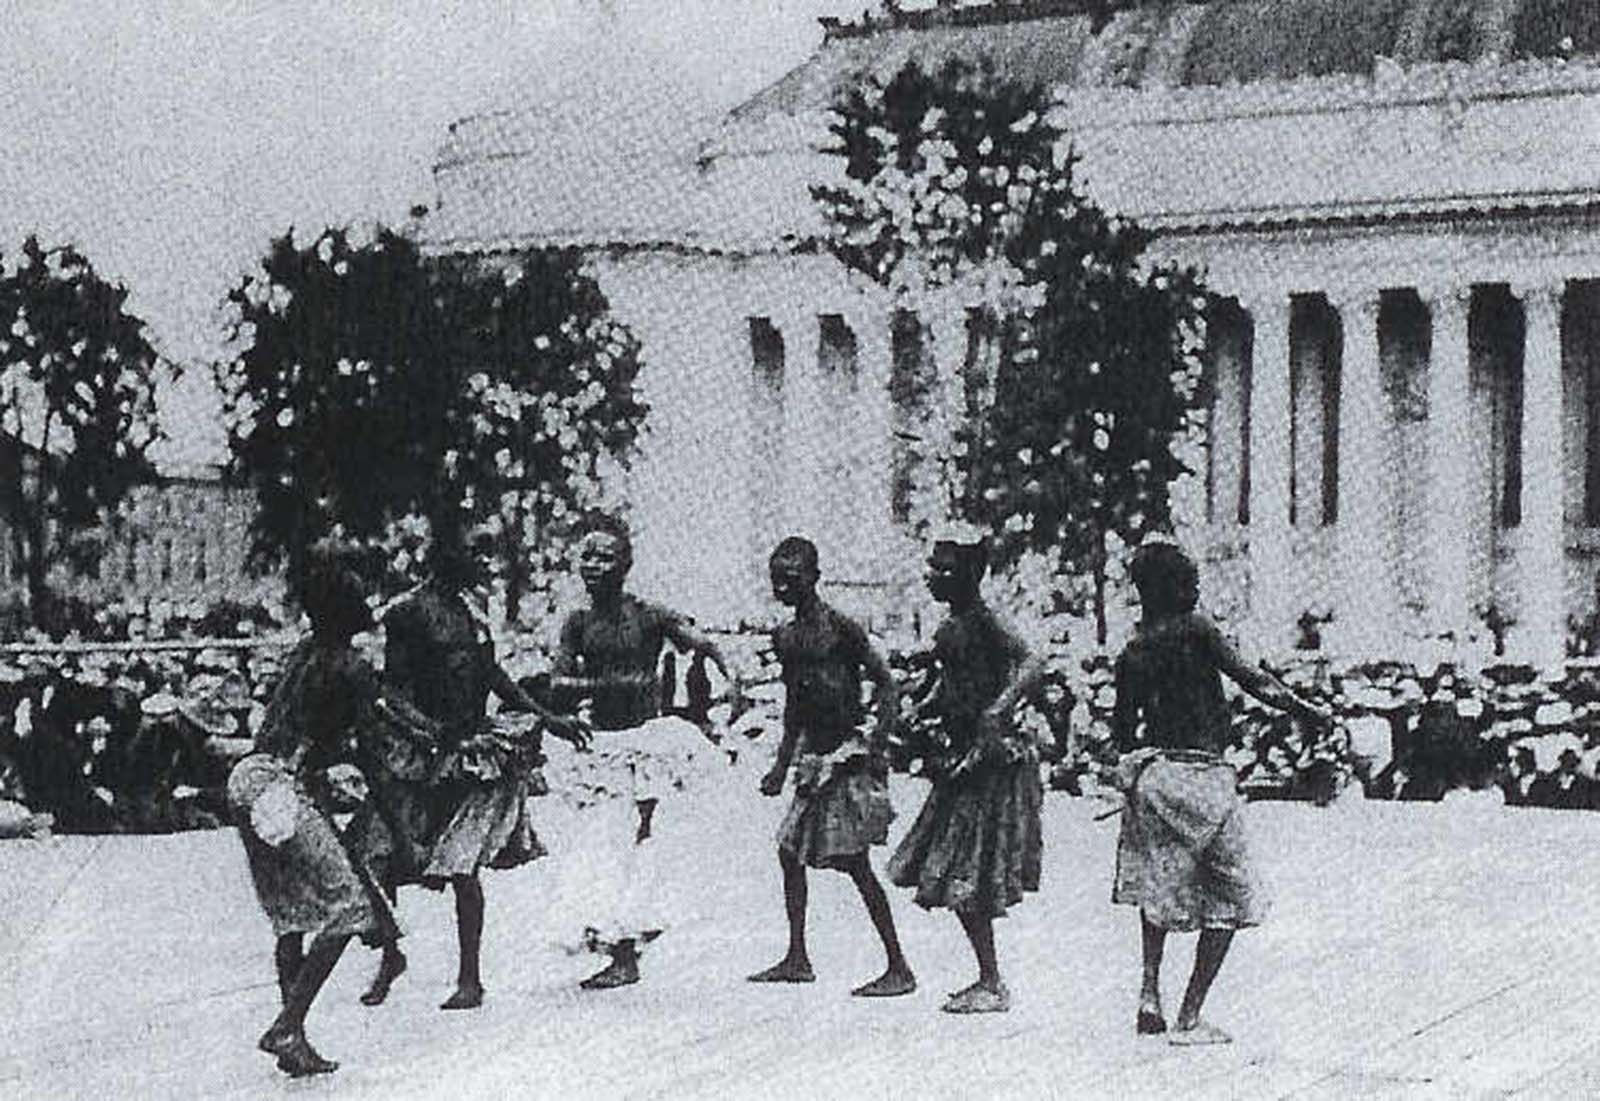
{"type": "Point", "coordinates": [1541, 556]}
{"type": "Point", "coordinates": [1364, 619]}
{"type": "Point", "coordinates": [805, 429]}
{"type": "Point", "coordinates": [1450, 459]}
{"type": "Point", "coordinates": [872, 448]}
{"type": "Point", "coordinates": [1271, 585]}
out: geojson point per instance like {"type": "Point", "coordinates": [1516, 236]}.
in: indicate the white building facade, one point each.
{"type": "Point", "coordinates": [1403, 205]}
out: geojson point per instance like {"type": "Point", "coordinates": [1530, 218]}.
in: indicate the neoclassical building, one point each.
{"type": "Point", "coordinates": [1400, 200]}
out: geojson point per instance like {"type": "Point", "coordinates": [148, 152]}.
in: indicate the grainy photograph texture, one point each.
{"type": "Point", "coordinates": [799, 548]}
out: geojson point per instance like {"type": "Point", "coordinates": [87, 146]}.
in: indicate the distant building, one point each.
{"type": "Point", "coordinates": [1402, 198]}
{"type": "Point", "coordinates": [182, 543]}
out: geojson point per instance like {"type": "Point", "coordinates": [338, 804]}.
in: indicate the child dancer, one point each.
{"type": "Point", "coordinates": [306, 882]}
{"type": "Point", "coordinates": [975, 848]}
{"type": "Point", "coordinates": [841, 801]}
{"type": "Point", "coordinates": [609, 654]}
{"type": "Point", "coordinates": [1182, 857]}
{"type": "Point", "coordinates": [470, 812]}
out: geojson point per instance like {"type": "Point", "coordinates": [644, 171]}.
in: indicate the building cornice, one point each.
{"type": "Point", "coordinates": [1429, 84]}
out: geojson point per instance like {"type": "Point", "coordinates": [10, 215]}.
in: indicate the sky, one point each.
{"type": "Point", "coordinates": [171, 139]}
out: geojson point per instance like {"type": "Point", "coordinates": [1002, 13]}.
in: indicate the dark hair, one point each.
{"type": "Point", "coordinates": [797, 548]}
{"type": "Point", "coordinates": [1167, 580]}
{"type": "Point", "coordinates": [973, 558]}
{"type": "Point", "coordinates": [606, 524]}
{"type": "Point", "coordinates": [333, 594]}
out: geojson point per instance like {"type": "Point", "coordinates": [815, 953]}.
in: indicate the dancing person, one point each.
{"type": "Point", "coordinates": [841, 795]}
{"type": "Point", "coordinates": [608, 655]}
{"type": "Point", "coordinates": [466, 809]}
{"type": "Point", "coordinates": [1182, 856]}
{"type": "Point", "coordinates": [306, 881]}
{"type": "Point", "coordinates": [975, 848]}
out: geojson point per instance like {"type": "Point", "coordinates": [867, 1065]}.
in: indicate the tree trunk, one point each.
{"type": "Point", "coordinates": [516, 565]}
{"type": "Point", "coordinates": [1099, 566]}
{"type": "Point", "coordinates": [34, 560]}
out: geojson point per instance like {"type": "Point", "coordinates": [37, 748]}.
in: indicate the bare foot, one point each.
{"type": "Point", "coordinates": [891, 984]}
{"type": "Point", "coordinates": [979, 998]}
{"type": "Point", "coordinates": [619, 972]}
{"type": "Point", "coordinates": [278, 1039]}
{"type": "Point", "coordinates": [787, 969]}
{"type": "Point", "coordinates": [467, 996]}
{"type": "Point", "coordinates": [1197, 1033]}
{"type": "Point", "coordinates": [392, 967]}
{"type": "Point", "coordinates": [301, 1061]}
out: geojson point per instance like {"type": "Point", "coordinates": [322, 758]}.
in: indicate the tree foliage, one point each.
{"type": "Point", "coordinates": [77, 408]}
{"type": "Point", "coordinates": [960, 183]}
{"type": "Point", "coordinates": [377, 393]}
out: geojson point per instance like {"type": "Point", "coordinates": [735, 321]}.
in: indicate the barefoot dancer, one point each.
{"type": "Point", "coordinates": [841, 801]}
{"type": "Point", "coordinates": [1182, 857]}
{"type": "Point", "coordinates": [306, 882]}
{"type": "Point", "coordinates": [609, 653]}
{"type": "Point", "coordinates": [976, 846]}
{"type": "Point", "coordinates": [469, 810]}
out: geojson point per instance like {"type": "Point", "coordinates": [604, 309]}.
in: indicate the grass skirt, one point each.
{"type": "Point", "coordinates": [471, 815]}
{"type": "Point", "coordinates": [835, 816]}
{"type": "Point", "coordinates": [976, 845]}
{"type": "Point", "coordinates": [307, 883]}
{"type": "Point", "coordinates": [1182, 856]}
{"type": "Point", "coordinates": [488, 826]}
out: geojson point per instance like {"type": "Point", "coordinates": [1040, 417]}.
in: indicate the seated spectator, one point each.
{"type": "Point", "coordinates": [1521, 775]}
{"type": "Point", "coordinates": [1566, 788]}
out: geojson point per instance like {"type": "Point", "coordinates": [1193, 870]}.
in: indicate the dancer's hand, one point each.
{"type": "Point", "coordinates": [772, 782]}
{"type": "Point", "coordinates": [570, 730]}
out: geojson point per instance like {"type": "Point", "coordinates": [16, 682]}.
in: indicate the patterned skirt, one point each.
{"type": "Point", "coordinates": [305, 879]}
{"type": "Point", "coordinates": [976, 845]}
{"type": "Point", "coordinates": [472, 814]}
{"type": "Point", "coordinates": [1182, 856]}
{"type": "Point", "coordinates": [836, 813]}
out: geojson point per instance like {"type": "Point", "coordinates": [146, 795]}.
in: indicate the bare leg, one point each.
{"type": "Point", "coordinates": [287, 956]}
{"type": "Point", "coordinates": [286, 1038]}
{"type": "Point", "coordinates": [392, 966]}
{"type": "Point", "coordinates": [988, 994]}
{"type": "Point", "coordinates": [897, 977]}
{"type": "Point", "coordinates": [1154, 938]}
{"type": "Point", "coordinates": [1208, 957]}
{"type": "Point", "coordinates": [796, 964]}
{"type": "Point", "coordinates": [469, 938]}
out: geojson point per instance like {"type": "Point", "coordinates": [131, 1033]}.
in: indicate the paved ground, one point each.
{"type": "Point", "coordinates": [1416, 951]}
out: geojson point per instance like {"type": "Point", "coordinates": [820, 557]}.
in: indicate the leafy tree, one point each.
{"type": "Point", "coordinates": [377, 394]}
{"type": "Point", "coordinates": [959, 181]}
{"type": "Point", "coordinates": [77, 409]}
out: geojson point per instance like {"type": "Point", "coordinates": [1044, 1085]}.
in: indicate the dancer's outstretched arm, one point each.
{"type": "Point", "coordinates": [566, 727]}
{"type": "Point", "coordinates": [1260, 683]}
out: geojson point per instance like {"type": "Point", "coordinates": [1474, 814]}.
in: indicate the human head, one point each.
{"type": "Point", "coordinates": [956, 569]}
{"type": "Point", "coordinates": [1569, 760]}
{"type": "Point", "coordinates": [1525, 761]}
{"type": "Point", "coordinates": [333, 595]}
{"type": "Point", "coordinates": [1167, 580]}
{"type": "Point", "coordinates": [605, 555]}
{"type": "Point", "coordinates": [793, 569]}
